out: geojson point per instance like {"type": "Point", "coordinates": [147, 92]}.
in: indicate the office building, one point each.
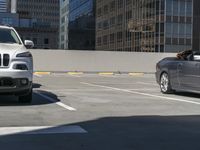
{"type": "Point", "coordinates": [144, 25]}
{"type": "Point", "coordinates": [39, 21]}
{"type": "Point", "coordinates": [64, 18]}
{"type": "Point", "coordinates": [34, 20]}
{"type": "Point", "coordinates": [81, 25]}
{"type": "Point", "coordinates": [196, 24]}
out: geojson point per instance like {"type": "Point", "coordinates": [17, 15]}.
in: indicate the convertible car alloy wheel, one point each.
{"type": "Point", "coordinates": [164, 83]}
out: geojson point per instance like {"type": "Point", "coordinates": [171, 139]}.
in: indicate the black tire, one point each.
{"type": "Point", "coordinates": [26, 98]}
{"type": "Point", "coordinates": [165, 85]}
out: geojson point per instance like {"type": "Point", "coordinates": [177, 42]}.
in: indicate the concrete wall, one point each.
{"type": "Point", "coordinates": [96, 61]}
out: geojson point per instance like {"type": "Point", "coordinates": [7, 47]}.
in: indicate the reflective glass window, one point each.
{"type": "Point", "coordinates": [169, 7]}
{"type": "Point", "coordinates": [175, 8]}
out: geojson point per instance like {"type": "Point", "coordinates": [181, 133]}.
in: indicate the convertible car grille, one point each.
{"type": "Point", "coordinates": [4, 60]}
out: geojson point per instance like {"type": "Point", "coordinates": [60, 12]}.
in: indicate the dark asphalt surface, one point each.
{"type": "Point", "coordinates": [119, 112]}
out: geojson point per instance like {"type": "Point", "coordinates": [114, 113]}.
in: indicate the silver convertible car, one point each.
{"type": "Point", "coordinates": [181, 73]}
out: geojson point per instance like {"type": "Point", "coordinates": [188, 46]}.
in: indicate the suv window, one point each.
{"type": "Point", "coordinates": [8, 36]}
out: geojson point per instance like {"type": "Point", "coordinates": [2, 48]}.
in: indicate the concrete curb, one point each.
{"type": "Point", "coordinates": [98, 73]}
{"type": "Point", "coordinates": [42, 73]}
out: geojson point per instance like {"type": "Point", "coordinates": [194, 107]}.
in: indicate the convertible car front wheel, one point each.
{"type": "Point", "coordinates": [165, 84]}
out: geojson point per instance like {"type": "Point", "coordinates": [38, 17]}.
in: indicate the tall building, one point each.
{"type": "Point", "coordinates": [64, 18]}
{"type": "Point", "coordinates": [196, 24]}
{"type": "Point", "coordinates": [81, 25]}
{"type": "Point", "coordinates": [3, 6]}
{"type": "Point", "coordinates": [144, 25]}
{"type": "Point", "coordinates": [37, 20]}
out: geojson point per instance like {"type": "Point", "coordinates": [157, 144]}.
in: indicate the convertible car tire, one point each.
{"type": "Point", "coordinates": [165, 86]}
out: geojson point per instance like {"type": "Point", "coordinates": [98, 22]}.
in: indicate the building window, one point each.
{"type": "Point", "coordinates": [119, 37]}
{"type": "Point", "coordinates": [128, 2]}
{"type": "Point", "coordinates": [188, 31]}
{"type": "Point", "coordinates": [119, 19]}
{"type": "Point", "coordinates": [128, 15]}
{"type": "Point", "coordinates": [105, 40]}
{"type": "Point", "coordinates": [105, 24]}
{"type": "Point", "coordinates": [128, 36]}
{"type": "Point", "coordinates": [63, 20]}
{"type": "Point", "coordinates": [35, 40]}
{"type": "Point", "coordinates": [99, 26]}
{"type": "Point", "coordinates": [46, 41]}
{"type": "Point", "coordinates": [99, 12]}
{"type": "Point", "coordinates": [112, 38]}
{"type": "Point", "coordinates": [112, 6]}
{"type": "Point", "coordinates": [99, 41]}
{"type": "Point", "coordinates": [169, 30]}
{"type": "Point", "coordinates": [175, 8]}
{"type": "Point", "coordinates": [120, 4]}
{"type": "Point", "coordinates": [189, 8]}
{"type": "Point", "coordinates": [112, 21]}
{"type": "Point", "coordinates": [8, 21]}
{"type": "Point", "coordinates": [106, 9]}
{"type": "Point", "coordinates": [62, 38]}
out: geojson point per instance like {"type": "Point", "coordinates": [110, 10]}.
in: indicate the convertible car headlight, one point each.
{"type": "Point", "coordinates": [25, 54]}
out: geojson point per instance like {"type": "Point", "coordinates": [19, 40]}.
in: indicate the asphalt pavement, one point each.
{"type": "Point", "coordinates": [100, 112]}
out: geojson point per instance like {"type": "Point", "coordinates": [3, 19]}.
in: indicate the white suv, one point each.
{"type": "Point", "coordinates": [16, 65]}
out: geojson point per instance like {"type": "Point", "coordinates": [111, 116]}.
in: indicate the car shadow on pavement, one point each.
{"type": "Point", "coordinates": [7, 100]}
{"type": "Point", "coordinates": [36, 85]}
{"type": "Point", "coordinates": [188, 94]}
{"type": "Point", "coordinates": [114, 133]}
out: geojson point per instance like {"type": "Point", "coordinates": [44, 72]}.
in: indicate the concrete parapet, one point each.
{"type": "Point", "coordinates": [96, 61]}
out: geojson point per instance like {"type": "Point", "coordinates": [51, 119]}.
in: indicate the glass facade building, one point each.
{"type": "Point", "coordinates": [144, 25]}
{"type": "Point", "coordinates": [81, 27]}
{"type": "Point", "coordinates": [3, 6]}
{"type": "Point", "coordinates": [64, 20]}
{"type": "Point", "coordinates": [196, 24]}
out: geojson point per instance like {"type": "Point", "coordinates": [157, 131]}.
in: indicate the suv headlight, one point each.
{"type": "Point", "coordinates": [25, 54]}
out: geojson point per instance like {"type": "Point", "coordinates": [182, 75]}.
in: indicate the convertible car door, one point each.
{"type": "Point", "coordinates": [189, 75]}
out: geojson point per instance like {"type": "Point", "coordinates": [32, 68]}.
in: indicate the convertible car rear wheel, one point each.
{"type": "Point", "coordinates": [165, 84]}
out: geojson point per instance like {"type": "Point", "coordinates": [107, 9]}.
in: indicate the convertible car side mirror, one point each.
{"type": "Point", "coordinates": [196, 58]}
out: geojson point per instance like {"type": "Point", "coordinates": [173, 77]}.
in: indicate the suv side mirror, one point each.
{"type": "Point", "coordinates": [29, 44]}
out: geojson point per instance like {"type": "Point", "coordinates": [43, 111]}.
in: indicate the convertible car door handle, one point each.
{"type": "Point", "coordinates": [180, 65]}
{"type": "Point", "coordinates": [197, 65]}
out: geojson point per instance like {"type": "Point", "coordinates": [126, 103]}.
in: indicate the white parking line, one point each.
{"type": "Point", "coordinates": [41, 130]}
{"type": "Point", "coordinates": [96, 90]}
{"type": "Point", "coordinates": [55, 101]}
{"type": "Point", "coordinates": [144, 94]}
{"type": "Point", "coordinates": [77, 76]}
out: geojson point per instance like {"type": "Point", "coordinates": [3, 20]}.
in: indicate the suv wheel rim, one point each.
{"type": "Point", "coordinates": [164, 82]}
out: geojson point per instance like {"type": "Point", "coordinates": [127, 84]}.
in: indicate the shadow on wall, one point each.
{"type": "Point", "coordinates": [117, 133]}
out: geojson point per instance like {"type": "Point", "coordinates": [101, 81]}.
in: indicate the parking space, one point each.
{"type": "Point", "coordinates": [100, 111]}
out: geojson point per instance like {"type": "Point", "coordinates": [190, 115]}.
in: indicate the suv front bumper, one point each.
{"type": "Point", "coordinates": [15, 82]}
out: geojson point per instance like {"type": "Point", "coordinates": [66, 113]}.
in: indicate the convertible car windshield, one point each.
{"type": "Point", "coordinates": [8, 36]}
